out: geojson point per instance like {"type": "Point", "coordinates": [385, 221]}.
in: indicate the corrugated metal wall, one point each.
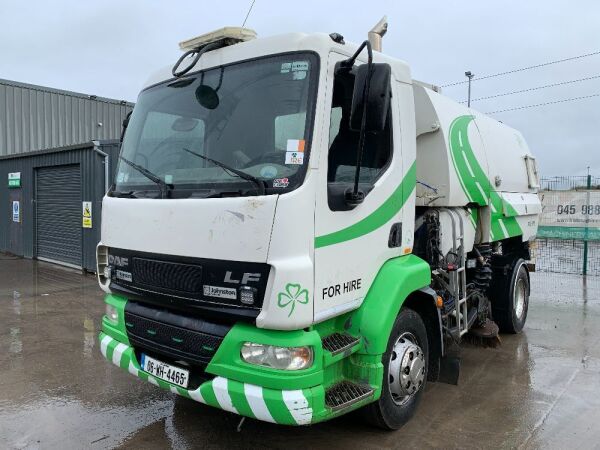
{"type": "Point", "coordinates": [20, 238]}
{"type": "Point", "coordinates": [37, 118]}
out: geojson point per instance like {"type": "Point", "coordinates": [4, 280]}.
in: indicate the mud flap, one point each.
{"type": "Point", "coordinates": [449, 369]}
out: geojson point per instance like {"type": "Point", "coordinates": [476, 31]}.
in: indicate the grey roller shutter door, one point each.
{"type": "Point", "coordinates": [58, 214]}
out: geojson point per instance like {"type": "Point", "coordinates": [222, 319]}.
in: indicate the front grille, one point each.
{"type": "Point", "coordinates": [173, 335]}
{"type": "Point", "coordinates": [195, 286]}
{"type": "Point", "coordinates": [345, 394]}
{"type": "Point", "coordinates": [168, 275]}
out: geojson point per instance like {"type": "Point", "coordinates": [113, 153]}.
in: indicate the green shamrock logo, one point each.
{"type": "Point", "coordinates": [293, 293]}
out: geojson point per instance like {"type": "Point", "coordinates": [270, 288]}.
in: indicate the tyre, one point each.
{"type": "Point", "coordinates": [509, 295]}
{"type": "Point", "coordinates": [405, 373]}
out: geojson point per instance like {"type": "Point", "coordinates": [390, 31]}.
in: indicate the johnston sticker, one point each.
{"type": "Point", "coordinates": [220, 292]}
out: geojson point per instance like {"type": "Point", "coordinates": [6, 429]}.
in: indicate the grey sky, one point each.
{"type": "Point", "coordinates": [108, 48]}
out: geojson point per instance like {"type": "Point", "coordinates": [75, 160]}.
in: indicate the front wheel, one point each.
{"type": "Point", "coordinates": [405, 373]}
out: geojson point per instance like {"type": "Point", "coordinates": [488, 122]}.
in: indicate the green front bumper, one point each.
{"type": "Point", "coordinates": [283, 397]}
{"type": "Point", "coordinates": [287, 407]}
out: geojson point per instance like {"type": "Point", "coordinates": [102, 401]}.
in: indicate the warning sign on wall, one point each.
{"type": "Point", "coordinates": [87, 215]}
{"type": "Point", "coordinates": [16, 211]}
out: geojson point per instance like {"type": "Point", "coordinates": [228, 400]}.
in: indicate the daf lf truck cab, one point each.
{"type": "Point", "coordinates": [298, 229]}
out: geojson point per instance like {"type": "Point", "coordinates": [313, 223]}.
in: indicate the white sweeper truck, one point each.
{"type": "Point", "coordinates": [298, 229]}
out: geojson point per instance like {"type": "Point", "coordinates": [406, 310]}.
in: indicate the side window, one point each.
{"type": "Point", "coordinates": [334, 123]}
{"type": "Point", "coordinates": [343, 146]}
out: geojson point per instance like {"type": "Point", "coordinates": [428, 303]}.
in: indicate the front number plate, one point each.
{"type": "Point", "coordinates": [164, 371]}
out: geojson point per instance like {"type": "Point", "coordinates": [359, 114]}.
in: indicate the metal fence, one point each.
{"type": "Point", "coordinates": [571, 182]}
{"type": "Point", "coordinates": [567, 256]}
{"type": "Point", "coordinates": [569, 252]}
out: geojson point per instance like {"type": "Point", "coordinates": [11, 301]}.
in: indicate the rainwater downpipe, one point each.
{"type": "Point", "coordinates": [106, 163]}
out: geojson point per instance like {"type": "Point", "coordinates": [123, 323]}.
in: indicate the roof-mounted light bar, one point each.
{"type": "Point", "coordinates": [194, 48]}
{"type": "Point", "coordinates": [225, 36]}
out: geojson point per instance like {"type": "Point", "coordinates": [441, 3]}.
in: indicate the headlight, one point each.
{"type": "Point", "coordinates": [284, 358]}
{"type": "Point", "coordinates": [112, 314]}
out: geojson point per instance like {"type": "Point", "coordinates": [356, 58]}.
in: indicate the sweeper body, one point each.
{"type": "Point", "coordinates": [298, 229]}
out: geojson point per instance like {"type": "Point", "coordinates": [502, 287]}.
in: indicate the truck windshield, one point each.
{"type": "Point", "coordinates": [250, 118]}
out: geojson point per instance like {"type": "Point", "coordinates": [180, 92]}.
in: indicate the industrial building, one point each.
{"type": "Point", "coordinates": [58, 152]}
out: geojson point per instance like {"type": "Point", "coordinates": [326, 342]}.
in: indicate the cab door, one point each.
{"type": "Point", "coordinates": [352, 243]}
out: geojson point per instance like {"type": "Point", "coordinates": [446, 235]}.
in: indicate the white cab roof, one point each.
{"type": "Point", "coordinates": [320, 43]}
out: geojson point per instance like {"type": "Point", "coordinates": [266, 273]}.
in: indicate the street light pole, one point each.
{"type": "Point", "coordinates": [469, 75]}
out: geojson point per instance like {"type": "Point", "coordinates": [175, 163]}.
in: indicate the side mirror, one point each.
{"type": "Point", "coordinates": [379, 97]}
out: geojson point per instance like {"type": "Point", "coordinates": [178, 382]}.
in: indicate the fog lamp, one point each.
{"type": "Point", "coordinates": [283, 358]}
{"type": "Point", "coordinates": [112, 314]}
{"type": "Point", "coordinates": [107, 272]}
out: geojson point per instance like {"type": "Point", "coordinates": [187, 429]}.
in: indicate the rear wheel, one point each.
{"type": "Point", "coordinates": [405, 373]}
{"type": "Point", "coordinates": [510, 298]}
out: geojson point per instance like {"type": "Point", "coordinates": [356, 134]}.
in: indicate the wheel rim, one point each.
{"type": "Point", "coordinates": [519, 298]}
{"type": "Point", "coordinates": [406, 368]}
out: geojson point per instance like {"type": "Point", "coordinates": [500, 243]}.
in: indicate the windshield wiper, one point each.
{"type": "Point", "coordinates": [164, 187]}
{"type": "Point", "coordinates": [239, 173]}
{"type": "Point", "coordinates": [123, 194]}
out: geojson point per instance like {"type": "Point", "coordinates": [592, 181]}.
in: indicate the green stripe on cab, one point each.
{"type": "Point", "coordinates": [377, 218]}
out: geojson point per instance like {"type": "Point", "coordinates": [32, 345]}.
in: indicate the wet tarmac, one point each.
{"type": "Point", "coordinates": [540, 389]}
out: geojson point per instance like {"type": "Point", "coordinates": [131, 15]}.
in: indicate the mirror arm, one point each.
{"type": "Point", "coordinates": [348, 63]}
{"type": "Point", "coordinates": [355, 196]}
{"type": "Point", "coordinates": [125, 125]}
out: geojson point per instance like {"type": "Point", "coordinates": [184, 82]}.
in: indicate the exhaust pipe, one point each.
{"type": "Point", "coordinates": [377, 32]}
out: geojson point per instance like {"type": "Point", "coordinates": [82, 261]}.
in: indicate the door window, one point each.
{"type": "Point", "coordinates": [343, 146]}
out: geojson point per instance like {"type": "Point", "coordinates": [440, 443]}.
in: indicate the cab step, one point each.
{"type": "Point", "coordinates": [337, 343]}
{"type": "Point", "coordinates": [346, 393]}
